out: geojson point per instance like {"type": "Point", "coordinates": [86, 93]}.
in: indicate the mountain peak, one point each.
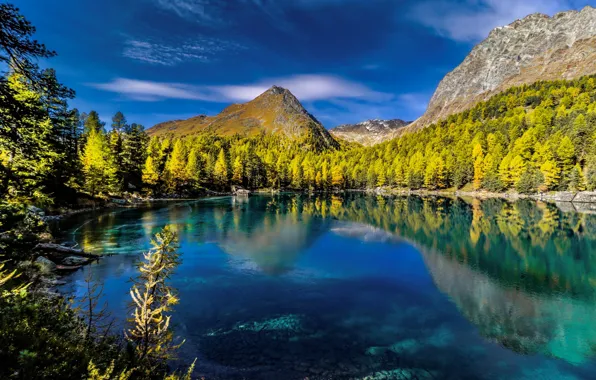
{"type": "Point", "coordinates": [537, 47]}
{"type": "Point", "coordinates": [275, 111]}
{"type": "Point", "coordinates": [277, 90]}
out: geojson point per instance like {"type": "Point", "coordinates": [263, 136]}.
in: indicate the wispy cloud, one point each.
{"type": "Point", "coordinates": [151, 91]}
{"type": "Point", "coordinates": [211, 12]}
{"type": "Point", "coordinates": [159, 53]}
{"type": "Point", "coordinates": [472, 20]}
{"type": "Point", "coordinates": [204, 11]}
{"type": "Point", "coordinates": [306, 87]}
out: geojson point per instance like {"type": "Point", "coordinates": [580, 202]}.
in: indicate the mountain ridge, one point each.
{"type": "Point", "coordinates": [537, 47]}
{"type": "Point", "coordinates": [368, 132]}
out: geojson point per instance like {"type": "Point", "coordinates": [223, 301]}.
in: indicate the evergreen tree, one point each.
{"type": "Point", "coordinates": [478, 166]}
{"type": "Point", "coordinates": [325, 175]}
{"type": "Point", "coordinates": [551, 174]}
{"type": "Point", "coordinates": [297, 173]}
{"type": "Point", "coordinates": [151, 171]}
{"type": "Point", "coordinates": [505, 172]}
{"type": "Point", "coordinates": [337, 176]}
{"type": "Point", "coordinates": [195, 167]}
{"type": "Point", "coordinates": [119, 122]}
{"type": "Point", "coordinates": [566, 155]}
{"type": "Point", "coordinates": [152, 300]}
{"type": "Point", "coordinates": [517, 168]}
{"type": "Point", "coordinates": [134, 148]}
{"type": "Point", "coordinates": [528, 181]}
{"type": "Point", "coordinates": [176, 166]}
{"type": "Point", "coordinates": [238, 171]}
{"type": "Point", "coordinates": [434, 177]}
{"type": "Point", "coordinates": [98, 166]}
{"type": "Point", "coordinates": [92, 123]}
{"type": "Point", "coordinates": [220, 171]}
{"type": "Point", "coordinates": [577, 181]}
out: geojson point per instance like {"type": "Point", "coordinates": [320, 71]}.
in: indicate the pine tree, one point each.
{"type": "Point", "coordinates": [517, 168]}
{"type": "Point", "coordinates": [415, 172]}
{"type": "Point", "coordinates": [282, 169]}
{"type": "Point", "coordinates": [27, 156]}
{"type": "Point", "coordinates": [478, 166]}
{"type": "Point", "coordinates": [551, 174]}
{"type": "Point", "coordinates": [566, 155]}
{"type": "Point", "coordinates": [325, 175]}
{"type": "Point", "coordinates": [152, 299]}
{"type": "Point", "coordinates": [308, 172]}
{"type": "Point", "coordinates": [434, 176]}
{"type": "Point", "coordinates": [337, 176]}
{"type": "Point", "coordinates": [220, 171]}
{"type": "Point", "coordinates": [577, 181]}
{"type": "Point", "coordinates": [238, 171]}
{"type": "Point", "coordinates": [379, 169]}
{"type": "Point", "coordinates": [297, 173]}
{"type": "Point", "coordinates": [176, 165]}
{"type": "Point", "coordinates": [115, 143]}
{"type": "Point", "coordinates": [92, 123]}
{"type": "Point", "coordinates": [505, 172]}
{"type": "Point", "coordinates": [398, 172]}
{"type": "Point", "coordinates": [119, 122]}
{"type": "Point", "coordinates": [151, 171]}
{"type": "Point", "coordinates": [528, 181]}
{"type": "Point", "coordinates": [134, 155]}
{"type": "Point", "coordinates": [319, 180]}
{"type": "Point", "coordinates": [98, 166]}
{"type": "Point", "coordinates": [195, 167]}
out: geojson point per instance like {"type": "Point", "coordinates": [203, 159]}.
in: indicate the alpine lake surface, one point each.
{"type": "Point", "coordinates": [363, 287]}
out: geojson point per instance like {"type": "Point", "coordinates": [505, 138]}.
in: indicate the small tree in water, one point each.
{"type": "Point", "coordinates": [152, 299]}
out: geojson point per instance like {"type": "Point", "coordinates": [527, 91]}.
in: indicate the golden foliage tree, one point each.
{"type": "Point", "coordinates": [152, 299]}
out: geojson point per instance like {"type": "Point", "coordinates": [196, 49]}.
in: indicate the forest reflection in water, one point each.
{"type": "Point", "coordinates": [521, 272]}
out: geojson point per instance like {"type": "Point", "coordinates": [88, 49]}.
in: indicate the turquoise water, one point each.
{"type": "Point", "coordinates": [290, 287]}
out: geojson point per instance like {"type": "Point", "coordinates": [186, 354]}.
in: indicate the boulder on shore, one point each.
{"type": "Point", "coordinates": [46, 265]}
{"type": "Point", "coordinates": [237, 190]}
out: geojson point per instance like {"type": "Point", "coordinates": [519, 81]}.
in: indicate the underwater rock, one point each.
{"type": "Point", "coordinates": [408, 345]}
{"type": "Point", "coordinates": [374, 351]}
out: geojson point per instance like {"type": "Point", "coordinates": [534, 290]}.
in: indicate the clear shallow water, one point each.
{"type": "Point", "coordinates": [289, 287]}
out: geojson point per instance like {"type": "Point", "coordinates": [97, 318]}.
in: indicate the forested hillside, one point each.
{"type": "Point", "coordinates": [538, 137]}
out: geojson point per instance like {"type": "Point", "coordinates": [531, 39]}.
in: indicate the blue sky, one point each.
{"type": "Point", "coordinates": [346, 60]}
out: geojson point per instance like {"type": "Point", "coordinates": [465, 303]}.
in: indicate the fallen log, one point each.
{"type": "Point", "coordinates": [57, 248]}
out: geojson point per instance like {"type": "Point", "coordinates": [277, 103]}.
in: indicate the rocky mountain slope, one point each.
{"type": "Point", "coordinates": [275, 111]}
{"type": "Point", "coordinates": [368, 132]}
{"type": "Point", "coordinates": [535, 48]}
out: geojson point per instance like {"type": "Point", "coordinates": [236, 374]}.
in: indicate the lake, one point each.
{"type": "Point", "coordinates": [355, 286]}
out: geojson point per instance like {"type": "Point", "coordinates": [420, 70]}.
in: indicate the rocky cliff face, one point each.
{"type": "Point", "coordinates": [276, 111]}
{"type": "Point", "coordinates": [535, 48]}
{"type": "Point", "coordinates": [369, 132]}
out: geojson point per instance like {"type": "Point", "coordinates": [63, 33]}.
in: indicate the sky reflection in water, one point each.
{"type": "Point", "coordinates": [295, 286]}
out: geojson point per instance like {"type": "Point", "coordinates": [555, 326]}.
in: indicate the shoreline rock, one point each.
{"type": "Point", "coordinates": [587, 197]}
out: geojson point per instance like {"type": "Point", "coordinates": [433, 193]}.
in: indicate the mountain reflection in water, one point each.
{"type": "Point", "coordinates": [521, 273]}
